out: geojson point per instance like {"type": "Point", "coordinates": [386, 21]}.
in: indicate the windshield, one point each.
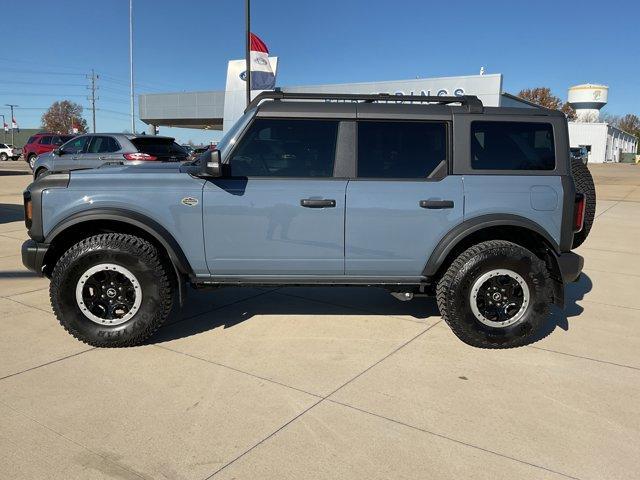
{"type": "Point", "coordinates": [229, 138]}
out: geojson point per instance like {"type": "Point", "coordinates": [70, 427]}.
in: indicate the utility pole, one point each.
{"type": "Point", "coordinates": [133, 118]}
{"type": "Point", "coordinates": [93, 97]}
{"type": "Point", "coordinates": [247, 52]}
{"type": "Point", "coordinates": [12, 106]}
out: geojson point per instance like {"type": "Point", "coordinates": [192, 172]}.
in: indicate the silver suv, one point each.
{"type": "Point", "coordinates": [93, 150]}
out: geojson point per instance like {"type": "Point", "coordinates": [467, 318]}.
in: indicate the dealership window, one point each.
{"type": "Point", "coordinates": [400, 149]}
{"type": "Point", "coordinates": [512, 146]}
{"type": "Point", "coordinates": [286, 148]}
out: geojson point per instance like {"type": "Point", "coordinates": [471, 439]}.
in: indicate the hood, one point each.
{"type": "Point", "coordinates": [146, 167]}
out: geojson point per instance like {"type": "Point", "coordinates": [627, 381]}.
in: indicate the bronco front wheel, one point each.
{"type": "Point", "coordinates": [495, 295]}
{"type": "Point", "coordinates": [111, 290]}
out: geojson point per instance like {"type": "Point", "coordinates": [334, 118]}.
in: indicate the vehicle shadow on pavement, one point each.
{"type": "Point", "coordinates": [309, 301]}
{"type": "Point", "coordinates": [10, 212]}
{"type": "Point", "coordinates": [8, 173]}
{"type": "Point", "coordinates": [574, 292]}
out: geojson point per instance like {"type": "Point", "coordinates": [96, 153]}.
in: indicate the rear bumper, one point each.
{"type": "Point", "coordinates": [33, 255]}
{"type": "Point", "coordinates": [570, 265]}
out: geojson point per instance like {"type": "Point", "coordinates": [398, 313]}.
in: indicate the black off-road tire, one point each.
{"type": "Point", "coordinates": [453, 294]}
{"type": "Point", "coordinates": [142, 259]}
{"type": "Point", "coordinates": [584, 184]}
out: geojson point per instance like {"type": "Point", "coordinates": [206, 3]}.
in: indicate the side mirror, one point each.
{"type": "Point", "coordinates": [58, 151]}
{"type": "Point", "coordinates": [212, 164]}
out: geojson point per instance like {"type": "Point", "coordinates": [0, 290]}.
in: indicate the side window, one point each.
{"type": "Point", "coordinates": [286, 148]}
{"type": "Point", "coordinates": [400, 149]}
{"type": "Point", "coordinates": [103, 145]}
{"type": "Point", "coordinates": [31, 140]}
{"type": "Point", "coordinates": [46, 140]}
{"type": "Point", "coordinates": [77, 145]}
{"type": "Point", "coordinates": [512, 146]}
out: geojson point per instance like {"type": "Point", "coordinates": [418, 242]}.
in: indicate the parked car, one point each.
{"type": "Point", "coordinates": [9, 152]}
{"type": "Point", "coordinates": [197, 151]}
{"type": "Point", "coordinates": [368, 193]}
{"type": "Point", "coordinates": [580, 154]}
{"type": "Point", "coordinates": [95, 149]}
{"type": "Point", "coordinates": [42, 143]}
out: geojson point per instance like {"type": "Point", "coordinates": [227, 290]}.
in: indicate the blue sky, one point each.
{"type": "Point", "coordinates": [184, 46]}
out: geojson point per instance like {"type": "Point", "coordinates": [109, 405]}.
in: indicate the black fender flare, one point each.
{"type": "Point", "coordinates": [472, 225]}
{"type": "Point", "coordinates": [153, 228]}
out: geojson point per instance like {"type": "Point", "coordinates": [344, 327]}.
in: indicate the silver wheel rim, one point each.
{"type": "Point", "coordinates": [510, 308]}
{"type": "Point", "coordinates": [116, 309]}
{"type": "Point", "coordinates": [32, 162]}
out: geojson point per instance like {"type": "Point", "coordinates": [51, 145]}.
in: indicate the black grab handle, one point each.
{"type": "Point", "coordinates": [317, 203]}
{"type": "Point", "coordinates": [436, 204]}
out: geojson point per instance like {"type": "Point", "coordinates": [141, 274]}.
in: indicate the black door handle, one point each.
{"type": "Point", "coordinates": [436, 204]}
{"type": "Point", "coordinates": [317, 203]}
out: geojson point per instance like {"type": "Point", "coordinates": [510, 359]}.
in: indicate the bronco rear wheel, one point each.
{"type": "Point", "coordinates": [111, 290]}
{"type": "Point", "coordinates": [495, 295]}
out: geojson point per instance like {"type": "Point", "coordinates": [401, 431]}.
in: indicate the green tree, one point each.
{"type": "Point", "coordinates": [63, 116]}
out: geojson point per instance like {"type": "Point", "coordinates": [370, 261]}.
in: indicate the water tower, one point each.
{"type": "Point", "coordinates": [588, 99]}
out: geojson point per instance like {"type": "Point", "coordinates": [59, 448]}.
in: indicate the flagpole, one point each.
{"type": "Point", "coordinates": [4, 121]}
{"type": "Point", "coordinates": [247, 52]}
{"type": "Point", "coordinates": [133, 118]}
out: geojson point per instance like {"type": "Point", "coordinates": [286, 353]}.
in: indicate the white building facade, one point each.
{"type": "Point", "coordinates": [604, 142]}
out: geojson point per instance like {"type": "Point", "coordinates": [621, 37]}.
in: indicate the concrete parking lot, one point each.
{"type": "Point", "coordinates": [328, 383]}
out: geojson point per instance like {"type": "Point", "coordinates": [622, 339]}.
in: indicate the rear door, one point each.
{"type": "Point", "coordinates": [102, 149]}
{"type": "Point", "coordinates": [402, 201]}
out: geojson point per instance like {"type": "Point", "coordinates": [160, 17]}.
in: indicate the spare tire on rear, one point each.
{"type": "Point", "coordinates": [584, 184]}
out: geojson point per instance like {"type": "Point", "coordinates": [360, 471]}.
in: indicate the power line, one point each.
{"type": "Point", "coordinates": [14, 82]}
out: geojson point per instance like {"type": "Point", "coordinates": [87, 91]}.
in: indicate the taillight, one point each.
{"type": "Point", "coordinates": [144, 157]}
{"type": "Point", "coordinates": [578, 212]}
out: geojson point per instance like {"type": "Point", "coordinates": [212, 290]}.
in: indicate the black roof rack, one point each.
{"type": "Point", "coordinates": [473, 103]}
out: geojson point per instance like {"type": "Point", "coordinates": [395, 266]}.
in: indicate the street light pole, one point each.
{"type": "Point", "coordinates": [133, 119]}
{"type": "Point", "coordinates": [247, 52]}
{"type": "Point", "coordinates": [11, 106]}
{"type": "Point", "coordinates": [4, 122]}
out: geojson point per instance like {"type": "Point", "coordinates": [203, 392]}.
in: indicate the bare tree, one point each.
{"type": "Point", "coordinates": [545, 98]}
{"type": "Point", "coordinates": [63, 117]}
{"type": "Point", "coordinates": [630, 123]}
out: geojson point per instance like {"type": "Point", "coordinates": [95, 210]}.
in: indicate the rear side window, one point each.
{"type": "Point", "coordinates": [45, 140]}
{"type": "Point", "coordinates": [400, 149]}
{"type": "Point", "coordinates": [31, 139]}
{"type": "Point", "coordinates": [512, 146]}
{"type": "Point", "coordinates": [286, 148]}
{"type": "Point", "coordinates": [102, 144]}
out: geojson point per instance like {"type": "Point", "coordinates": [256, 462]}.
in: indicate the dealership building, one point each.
{"type": "Point", "coordinates": [218, 110]}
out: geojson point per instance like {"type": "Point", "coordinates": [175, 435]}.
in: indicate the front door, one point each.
{"type": "Point", "coordinates": [280, 211]}
{"type": "Point", "coordinates": [402, 202]}
{"type": "Point", "coordinates": [72, 151]}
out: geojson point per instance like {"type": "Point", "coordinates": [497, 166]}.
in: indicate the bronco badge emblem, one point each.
{"type": "Point", "coordinates": [189, 201]}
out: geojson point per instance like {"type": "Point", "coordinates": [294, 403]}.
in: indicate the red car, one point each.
{"type": "Point", "coordinates": [42, 143]}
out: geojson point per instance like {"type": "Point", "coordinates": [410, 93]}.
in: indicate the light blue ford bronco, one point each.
{"type": "Point", "coordinates": [439, 196]}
